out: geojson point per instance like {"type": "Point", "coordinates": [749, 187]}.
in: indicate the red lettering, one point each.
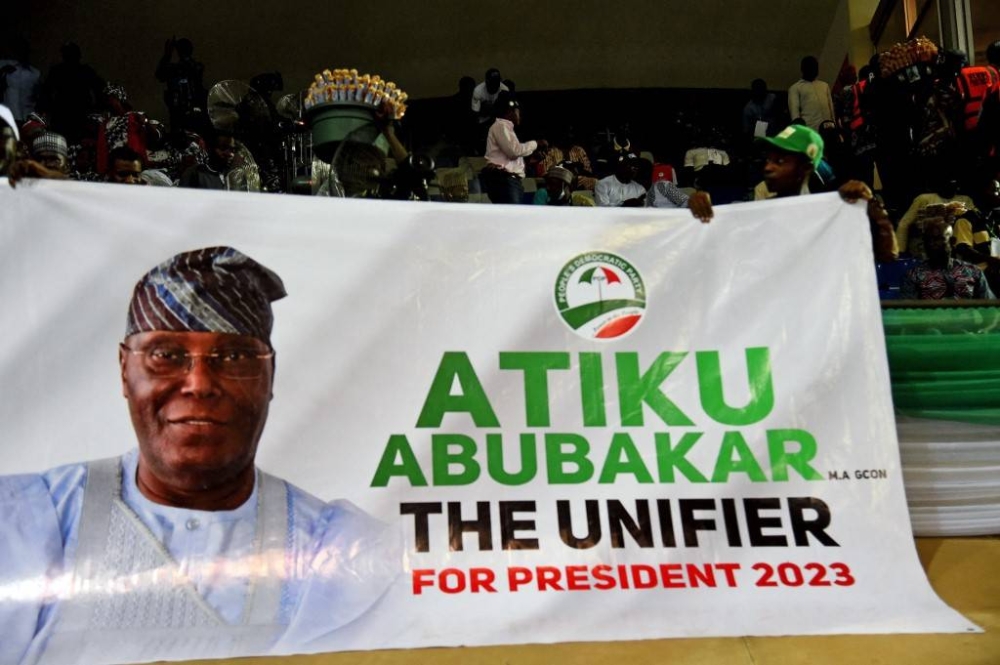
{"type": "Point", "coordinates": [604, 580]}
{"type": "Point", "coordinates": [576, 578]}
{"type": "Point", "coordinates": [517, 577]}
{"type": "Point", "coordinates": [643, 576]}
{"type": "Point", "coordinates": [623, 576]}
{"type": "Point", "coordinates": [729, 570]}
{"type": "Point", "coordinates": [548, 578]}
{"type": "Point", "coordinates": [481, 579]}
{"type": "Point", "coordinates": [699, 576]}
{"type": "Point", "coordinates": [448, 574]}
{"type": "Point", "coordinates": [420, 580]}
{"type": "Point", "coordinates": [672, 577]}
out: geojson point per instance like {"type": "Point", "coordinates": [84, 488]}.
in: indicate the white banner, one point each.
{"type": "Point", "coordinates": [582, 424]}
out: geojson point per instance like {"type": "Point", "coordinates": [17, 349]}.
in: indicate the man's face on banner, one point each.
{"type": "Point", "coordinates": [198, 418]}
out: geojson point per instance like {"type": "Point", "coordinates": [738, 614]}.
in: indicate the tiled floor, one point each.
{"type": "Point", "coordinates": [964, 571]}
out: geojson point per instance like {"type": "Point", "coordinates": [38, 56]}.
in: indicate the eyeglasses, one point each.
{"type": "Point", "coordinates": [165, 362]}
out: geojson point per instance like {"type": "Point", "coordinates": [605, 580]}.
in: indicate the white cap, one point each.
{"type": "Point", "coordinates": [8, 117]}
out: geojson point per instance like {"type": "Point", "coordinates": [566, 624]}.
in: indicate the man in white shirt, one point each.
{"type": "Point", "coordinates": [484, 96]}
{"type": "Point", "coordinates": [620, 189]}
{"type": "Point", "coordinates": [504, 170]}
{"type": "Point", "coordinates": [809, 98]}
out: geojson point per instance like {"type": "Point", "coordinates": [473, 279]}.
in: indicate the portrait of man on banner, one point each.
{"type": "Point", "coordinates": [181, 547]}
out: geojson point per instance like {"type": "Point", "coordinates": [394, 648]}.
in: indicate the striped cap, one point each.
{"type": "Point", "coordinates": [49, 142]}
{"type": "Point", "coordinates": [215, 289]}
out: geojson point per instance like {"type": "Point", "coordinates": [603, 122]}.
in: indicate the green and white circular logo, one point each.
{"type": "Point", "coordinates": [600, 296]}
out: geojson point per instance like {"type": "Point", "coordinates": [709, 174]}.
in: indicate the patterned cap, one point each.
{"type": "Point", "coordinates": [800, 139]}
{"type": "Point", "coordinates": [215, 289]}
{"type": "Point", "coordinates": [560, 173]}
{"type": "Point", "coordinates": [50, 142]}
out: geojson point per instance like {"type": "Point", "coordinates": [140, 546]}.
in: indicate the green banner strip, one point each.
{"type": "Point", "coordinates": [945, 362]}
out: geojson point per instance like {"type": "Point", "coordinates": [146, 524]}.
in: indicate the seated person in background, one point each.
{"type": "Point", "coordinates": [792, 156]}
{"type": "Point", "coordinates": [558, 190]}
{"type": "Point", "coordinates": [51, 151]}
{"type": "Point", "coordinates": [941, 276]}
{"type": "Point", "coordinates": [707, 149]}
{"type": "Point", "coordinates": [126, 166]}
{"type": "Point", "coordinates": [212, 175]}
{"type": "Point", "coordinates": [566, 153]}
{"type": "Point", "coordinates": [945, 192]}
{"type": "Point", "coordinates": [664, 193]}
{"type": "Point", "coordinates": [973, 242]}
{"type": "Point", "coordinates": [47, 160]}
{"type": "Point", "coordinates": [620, 189]}
{"type": "Point", "coordinates": [119, 125]}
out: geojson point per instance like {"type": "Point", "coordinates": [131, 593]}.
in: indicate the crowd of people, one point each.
{"type": "Point", "coordinates": [917, 125]}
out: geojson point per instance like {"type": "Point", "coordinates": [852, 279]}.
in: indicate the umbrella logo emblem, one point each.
{"type": "Point", "coordinates": [600, 296]}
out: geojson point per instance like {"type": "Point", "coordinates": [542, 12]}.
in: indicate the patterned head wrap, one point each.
{"type": "Point", "coordinates": [50, 142]}
{"type": "Point", "coordinates": [118, 91]}
{"type": "Point", "coordinates": [216, 289]}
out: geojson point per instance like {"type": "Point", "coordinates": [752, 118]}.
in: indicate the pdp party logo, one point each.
{"type": "Point", "coordinates": [600, 295]}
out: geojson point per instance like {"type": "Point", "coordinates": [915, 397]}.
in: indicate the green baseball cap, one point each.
{"type": "Point", "coordinates": [800, 139]}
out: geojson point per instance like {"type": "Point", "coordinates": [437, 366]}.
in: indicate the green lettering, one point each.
{"type": "Point", "coordinates": [592, 389]}
{"type": "Point", "coordinates": [668, 459]}
{"type": "Point", "coordinates": [495, 456]}
{"type": "Point", "coordinates": [408, 466]}
{"type": "Point", "coordinates": [557, 457]}
{"type": "Point", "coordinates": [623, 457]}
{"type": "Point", "coordinates": [471, 400]}
{"type": "Point", "coordinates": [444, 457]}
{"type": "Point", "coordinates": [735, 456]}
{"type": "Point", "coordinates": [635, 389]}
{"type": "Point", "coordinates": [781, 458]}
{"type": "Point", "coordinates": [713, 400]}
{"type": "Point", "coordinates": [536, 366]}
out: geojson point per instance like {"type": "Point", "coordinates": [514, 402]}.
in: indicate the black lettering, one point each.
{"type": "Point", "coordinates": [566, 525]}
{"type": "Point", "coordinates": [509, 526]}
{"type": "Point", "coordinates": [640, 531]}
{"type": "Point", "coordinates": [756, 523]}
{"type": "Point", "coordinates": [691, 526]}
{"type": "Point", "coordinates": [731, 522]}
{"type": "Point", "coordinates": [666, 523]}
{"type": "Point", "coordinates": [801, 526]}
{"type": "Point", "coordinates": [481, 525]}
{"type": "Point", "coordinates": [420, 511]}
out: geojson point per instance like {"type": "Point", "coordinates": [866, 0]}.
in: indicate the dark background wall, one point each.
{"type": "Point", "coordinates": [426, 45]}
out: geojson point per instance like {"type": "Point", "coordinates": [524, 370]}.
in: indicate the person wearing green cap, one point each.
{"type": "Point", "coordinates": [792, 156]}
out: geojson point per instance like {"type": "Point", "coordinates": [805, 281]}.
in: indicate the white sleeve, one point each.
{"type": "Point", "coordinates": [356, 560]}
{"type": "Point", "coordinates": [508, 143]}
{"type": "Point", "coordinates": [793, 101]}
{"type": "Point", "coordinates": [31, 550]}
{"type": "Point", "coordinates": [601, 194]}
